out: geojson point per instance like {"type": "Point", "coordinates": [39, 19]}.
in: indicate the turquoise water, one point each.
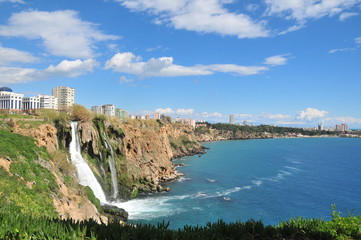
{"type": "Point", "coordinates": [270, 180]}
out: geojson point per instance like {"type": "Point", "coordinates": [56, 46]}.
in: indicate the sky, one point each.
{"type": "Point", "coordinates": [283, 62]}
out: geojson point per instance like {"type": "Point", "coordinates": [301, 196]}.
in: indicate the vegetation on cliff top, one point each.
{"type": "Point", "coordinates": [266, 128]}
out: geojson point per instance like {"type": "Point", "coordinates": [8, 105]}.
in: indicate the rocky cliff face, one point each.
{"type": "Point", "coordinates": [206, 134]}
{"type": "Point", "coordinates": [45, 135]}
{"type": "Point", "coordinates": [143, 151]}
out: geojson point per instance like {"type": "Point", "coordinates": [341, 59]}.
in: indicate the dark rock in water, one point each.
{"type": "Point", "coordinates": [114, 213]}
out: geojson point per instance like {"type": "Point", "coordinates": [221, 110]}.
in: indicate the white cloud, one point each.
{"type": "Point", "coordinates": [244, 115]}
{"type": "Point", "coordinates": [161, 67]}
{"type": "Point", "coordinates": [72, 68]}
{"type": "Point", "coordinates": [14, 75]}
{"type": "Point", "coordinates": [298, 26]}
{"type": "Point", "coordinates": [358, 40]}
{"type": "Point", "coordinates": [124, 79]}
{"type": "Point", "coordinates": [346, 15]}
{"type": "Point", "coordinates": [278, 116]}
{"type": "Point", "coordinates": [303, 9]}
{"type": "Point", "coordinates": [290, 123]}
{"type": "Point", "coordinates": [182, 111]}
{"type": "Point", "coordinates": [204, 16]}
{"type": "Point", "coordinates": [164, 110]}
{"type": "Point", "coordinates": [276, 60]}
{"type": "Point", "coordinates": [210, 115]}
{"type": "Point", "coordinates": [13, 1]}
{"type": "Point", "coordinates": [311, 113]}
{"type": "Point", "coordinates": [154, 48]}
{"type": "Point", "coordinates": [237, 69]}
{"type": "Point", "coordinates": [252, 7]}
{"type": "Point", "coordinates": [341, 50]}
{"type": "Point", "coordinates": [342, 119]}
{"type": "Point", "coordinates": [164, 67]}
{"type": "Point", "coordinates": [10, 55]}
{"type": "Point", "coordinates": [62, 33]}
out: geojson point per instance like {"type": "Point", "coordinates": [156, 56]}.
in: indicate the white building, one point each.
{"type": "Point", "coordinates": [121, 114]}
{"type": "Point", "coordinates": [10, 100]}
{"type": "Point", "coordinates": [108, 109]}
{"type": "Point", "coordinates": [342, 128]}
{"type": "Point", "coordinates": [156, 115]}
{"type": "Point", "coordinates": [96, 109]}
{"type": "Point", "coordinates": [231, 119]}
{"type": "Point", "coordinates": [65, 96]}
{"type": "Point", "coordinates": [48, 101]}
{"type": "Point", "coordinates": [31, 103]}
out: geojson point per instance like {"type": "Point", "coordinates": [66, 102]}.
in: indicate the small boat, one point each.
{"type": "Point", "coordinates": [211, 180]}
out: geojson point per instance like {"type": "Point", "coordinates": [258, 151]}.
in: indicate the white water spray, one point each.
{"type": "Point", "coordinates": [113, 170]}
{"type": "Point", "coordinates": [85, 174]}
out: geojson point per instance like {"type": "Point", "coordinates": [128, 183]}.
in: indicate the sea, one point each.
{"type": "Point", "coordinates": [271, 180]}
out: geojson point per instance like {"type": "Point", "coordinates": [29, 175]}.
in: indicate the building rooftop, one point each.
{"type": "Point", "coordinates": [5, 89]}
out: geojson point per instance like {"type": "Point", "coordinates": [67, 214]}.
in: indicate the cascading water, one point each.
{"type": "Point", "coordinates": [85, 174]}
{"type": "Point", "coordinates": [113, 170]}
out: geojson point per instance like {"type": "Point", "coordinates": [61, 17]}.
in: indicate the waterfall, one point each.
{"type": "Point", "coordinates": [113, 170]}
{"type": "Point", "coordinates": [85, 174]}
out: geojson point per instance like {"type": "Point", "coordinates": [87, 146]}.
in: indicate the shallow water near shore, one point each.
{"type": "Point", "coordinates": [271, 180]}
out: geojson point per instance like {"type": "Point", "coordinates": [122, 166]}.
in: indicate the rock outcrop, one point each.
{"type": "Point", "coordinates": [45, 135]}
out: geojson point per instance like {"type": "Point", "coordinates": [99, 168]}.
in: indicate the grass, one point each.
{"type": "Point", "coordinates": [29, 185]}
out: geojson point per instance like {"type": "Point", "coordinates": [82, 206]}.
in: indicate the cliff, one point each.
{"type": "Point", "coordinates": [143, 151]}
{"type": "Point", "coordinates": [219, 132]}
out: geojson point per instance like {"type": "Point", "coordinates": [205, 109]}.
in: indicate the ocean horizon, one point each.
{"type": "Point", "coordinates": [271, 180]}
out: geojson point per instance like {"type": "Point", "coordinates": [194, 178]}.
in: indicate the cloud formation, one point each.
{"type": "Point", "coordinates": [164, 110]}
{"type": "Point", "coordinates": [62, 33]}
{"type": "Point", "coordinates": [305, 9]}
{"type": "Point", "coordinates": [15, 75]}
{"type": "Point", "coordinates": [310, 114]}
{"type": "Point", "coordinates": [13, 1]}
{"type": "Point", "coordinates": [276, 60]}
{"type": "Point", "coordinates": [347, 15]}
{"type": "Point", "coordinates": [10, 55]}
{"type": "Point", "coordinates": [358, 40]}
{"type": "Point", "coordinates": [203, 16]}
{"type": "Point", "coordinates": [183, 111]}
{"type": "Point", "coordinates": [164, 67]}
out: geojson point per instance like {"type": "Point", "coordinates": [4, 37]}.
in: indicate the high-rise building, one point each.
{"type": "Point", "coordinates": [121, 114]}
{"type": "Point", "coordinates": [96, 109]}
{"type": "Point", "coordinates": [245, 123]}
{"type": "Point", "coordinates": [108, 109]}
{"type": "Point", "coordinates": [320, 127]}
{"type": "Point", "coordinates": [342, 128]}
{"type": "Point", "coordinates": [65, 95]}
{"type": "Point", "coordinates": [231, 119]}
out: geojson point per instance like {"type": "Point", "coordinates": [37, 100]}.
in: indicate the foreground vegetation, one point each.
{"type": "Point", "coordinates": [15, 225]}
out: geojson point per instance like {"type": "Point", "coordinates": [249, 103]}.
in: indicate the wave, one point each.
{"type": "Point", "coordinates": [293, 168]}
{"type": "Point", "coordinates": [183, 179]}
{"type": "Point", "coordinates": [257, 182]}
{"type": "Point", "coordinates": [210, 180]}
{"type": "Point", "coordinates": [163, 206]}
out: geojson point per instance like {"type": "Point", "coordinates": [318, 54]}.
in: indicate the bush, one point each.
{"type": "Point", "coordinates": [81, 113]}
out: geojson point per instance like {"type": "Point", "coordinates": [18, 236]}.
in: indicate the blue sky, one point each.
{"type": "Point", "coordinates": [290, 63]}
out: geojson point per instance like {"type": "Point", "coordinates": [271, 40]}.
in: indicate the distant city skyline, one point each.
{"type": "Point", "coordinates": [266, 62]}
